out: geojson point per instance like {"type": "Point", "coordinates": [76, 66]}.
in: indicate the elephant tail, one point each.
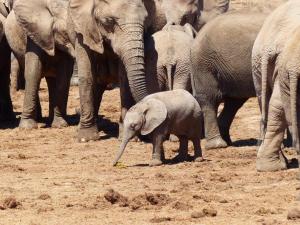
{"type": "Point", "coordinates": [264, 91]}
{"type": "Point", "coordinates": [293, 99]}
{"type": "Point", "coordinates": [170, 75]}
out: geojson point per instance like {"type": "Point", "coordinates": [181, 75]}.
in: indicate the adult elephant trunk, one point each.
{"type": "Point", "coordinates": [132, 53]}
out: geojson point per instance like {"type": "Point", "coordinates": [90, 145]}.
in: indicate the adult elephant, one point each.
{"type": "Point", "coordinates": [223, 72]}
{"type": "Point", "coordinates": [121, 25]}
{"type": "Point", "coordinates": [270, 42]}
{"type": "Point", "coordinates": [6, 109]}
{"type": "Point", "coordinates": [39, 35]}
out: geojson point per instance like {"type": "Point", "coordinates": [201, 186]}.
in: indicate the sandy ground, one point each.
{"type": "Point", "coordinates": [56, 180]}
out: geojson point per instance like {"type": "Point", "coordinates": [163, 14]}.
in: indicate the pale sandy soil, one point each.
{"type": "Point", "coordinates": [59, 181]}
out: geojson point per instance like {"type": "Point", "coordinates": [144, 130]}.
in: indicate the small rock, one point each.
{"type": "Point", "coordinates": [293, 214]}
{"type": "Point", "coordinates": [210, 212]}
{"type": "Point", "coordinates": [223, 201]}
{"type": "Point", "coordinates": [197, 215]}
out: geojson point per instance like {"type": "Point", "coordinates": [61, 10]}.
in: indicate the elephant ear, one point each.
{"type": "Point", "coordinates": [34, 16]}
{"type": "Point", "coordinates": [82, 14]}
{"type": "Point", "coordinates": [1, 27]}
{"type": "Point", "coordinates": [155, 114]}
{"type": "Point", "coordinates": [190, 30]}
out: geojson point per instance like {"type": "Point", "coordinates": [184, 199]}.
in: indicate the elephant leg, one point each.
{"type": "Point", "coordinates": [14, 74]}
{"type": "Point", "coordinates": [212, 133]}
{"type": "Point", "coordinates": [51, 83]}
{"type": "Point", "coordinates": [158, 137]}
{"type": "Point", "coordinates": [98, 93]}
{"type": "Point", "coordinates": [270, 156]}
{"type": "Point", "coordinates": [231, 106]}
{"type": "Point", "coordinates": [87, 127]}
{"type": "Point", "coordinates": [183, 150]}
{"type": "Point", "coordinates": [33, 75]}
{"type": "Point", "coordinates": [197, 149]}
{"type": "Point", "coordinates": [6, 108]}
{"type": "Point", "coordinates": [63, 78]}
{"type": "Point", "coordinates": [127, 100]}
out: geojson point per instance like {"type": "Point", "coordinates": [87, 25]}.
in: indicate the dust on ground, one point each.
{"type": "Point", "coordinates": [49, 178]}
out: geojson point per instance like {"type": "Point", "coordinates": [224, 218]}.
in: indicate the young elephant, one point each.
{"type": "Point", "coordinates": [171, 112]}
{"type": "Point", "coordinates": [167, 58]}
{"type": "Point", "coordinates": [221, 71]}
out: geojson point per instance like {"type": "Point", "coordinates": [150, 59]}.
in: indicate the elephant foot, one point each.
{"type": "Point", "coordinates": [215, 143]}
{"type": "Point", "coordinates": [88, 134]}
{"type": "Point", "coordinates": [270, 164]}
{"type": "Point", "coordinates": [28, 124]}
{"type": "Point", "coordinates": [155, 162]}
{"type": "Point", "coordinates": [198, 159]}
{"type": "Point", "coordinates": [59, 122]}
{"type": "Point", "coordinates": [173, 138]}
{"type": "Point", "coordinates": [180, 158]}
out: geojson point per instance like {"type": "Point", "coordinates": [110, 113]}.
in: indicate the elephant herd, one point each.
{"type": "Point", "coordinates": [150, 46]}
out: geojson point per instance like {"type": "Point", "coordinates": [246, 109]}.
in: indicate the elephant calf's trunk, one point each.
{"type": "Point", "coordinates": [121, 151]}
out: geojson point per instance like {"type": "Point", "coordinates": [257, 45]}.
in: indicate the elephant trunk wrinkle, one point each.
{"type": "Point", "coordinates": [132, 54]}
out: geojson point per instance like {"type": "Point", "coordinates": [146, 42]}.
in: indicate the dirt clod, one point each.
{"type": "Point", "coordinates": [44, 197]}
{"type": "Point", "coordinates": [11, 203]}
{"type": "Point", "coordinates": [160, 219]}
{"type": "Point", "coordinates": [197, 215]}
{"type": "Point", "coordinates": [182, 206]}
{"type": "Point", "coordinates": [115, 197]}
{"type": "Point", "coordinates": [210, 212]}
{"type": "Point", "coordinates": [293, 214]}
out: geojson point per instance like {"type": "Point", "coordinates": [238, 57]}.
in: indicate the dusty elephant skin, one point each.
{"type": "Point", "coordinates": [98, 23]}
{"type": "Point", "coordinates": [167, 58]}
{"type": "Point", "coordinates": [267, 53]}
{"type": "Point", "coordinates": [222, 72]}
{"type": "Point", "coordinates": [42, 42]}
{"type": "Point", "coordinates": [6, 109]}
{"type": "Point", "coordinates": [160, 114]}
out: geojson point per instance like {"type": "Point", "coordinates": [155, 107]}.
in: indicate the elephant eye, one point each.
{"type": "Point", "coordinates": [132, 126]}
{"type": "Point", "coordinates": [108, 21]}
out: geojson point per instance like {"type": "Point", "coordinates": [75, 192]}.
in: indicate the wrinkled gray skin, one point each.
{"type": "Point", "coordinates": [167, 58]}
{"type": "Point", "coordinates": [288, 75]}
{"type": "Point", "coordinates": [6, 109]}
{"type": "Point", "coordinates": [221, 71]}
{"type": "Point", "coordinates": [38, 34]}
{"type": "Point", "coordinates": [170, 112]}
{"type": "Point", "coordinates": [121, 26]}
{"type": "Point", "coordinates": [270, 42]}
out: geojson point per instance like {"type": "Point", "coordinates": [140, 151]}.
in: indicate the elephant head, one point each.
{"type": "Point", "coordinates": [180, 12]}
{"type": "Point", "coordinates": [210, 9]}
{"type": "Point", "coordinates": [144, 117]}
{"type": "Point", "coordinates": [45, 22]}
{"type": "Point", "coordinates": [120, 23]}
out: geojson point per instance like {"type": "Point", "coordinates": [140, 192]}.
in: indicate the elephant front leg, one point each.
{"type": "Point", "coordinates": [87, 126]}
{"type": "Point", "coordinates": [62, 92]}
{"type": "Point", "coordinates": [231, 106]}
{"type": "Point", "coordinates": [33, 75]}
{"type": "Point", "coordinates": [158, 137]}
{"type": "Point", "coordinates": [270, 156]}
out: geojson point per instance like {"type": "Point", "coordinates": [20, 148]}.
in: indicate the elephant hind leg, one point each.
{"type": "Point", "coordinates": [270, 156]}
{"type": "Point", "coordinates": [231, 106]}
{"type": "Point", "coordinates": [183, 150]}
{"type": "Point", "coordinates": [197, 149]}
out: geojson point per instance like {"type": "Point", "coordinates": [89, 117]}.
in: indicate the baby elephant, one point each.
{"type": "Point", "coordinates": [163, 113]}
